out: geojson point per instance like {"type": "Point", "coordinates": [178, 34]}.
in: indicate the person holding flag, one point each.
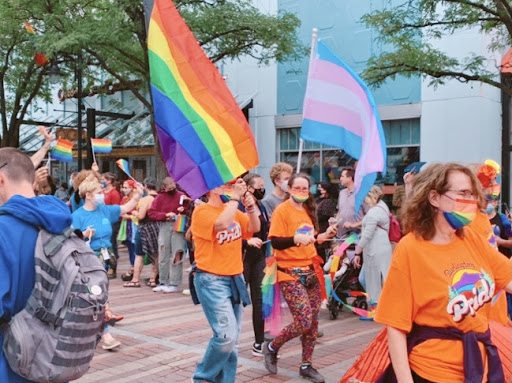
{"type": "Point", "coordinates": [218, 228]}
{"type": "Point", "coordinates": [293, 232]}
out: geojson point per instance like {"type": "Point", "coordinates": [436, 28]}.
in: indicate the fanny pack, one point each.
{"type": "Point", "coordinates": [305, 275]}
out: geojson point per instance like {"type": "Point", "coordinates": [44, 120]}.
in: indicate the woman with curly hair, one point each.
{"type": "Point", "coordinates": [446, 275]}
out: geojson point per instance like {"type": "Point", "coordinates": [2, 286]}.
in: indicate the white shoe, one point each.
{"type": "Point", "coordinates": [324, 304]}
{"type": "Point", "coordinates": [169, 289]}
{"type": "Point", "coordinates": [159, 288]}
{"type": "Point", "coordinates": [186, 292]}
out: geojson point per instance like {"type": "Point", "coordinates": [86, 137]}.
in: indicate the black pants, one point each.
{"type": "Point", "coordinates": [418, 379]}
{"type": "Point", "coordinates": [254, 266]}
{"type": "Point", "coordinates": [115, 232]}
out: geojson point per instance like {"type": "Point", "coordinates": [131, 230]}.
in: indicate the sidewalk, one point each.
{"type": "Point", "coordinates": [164, 336]}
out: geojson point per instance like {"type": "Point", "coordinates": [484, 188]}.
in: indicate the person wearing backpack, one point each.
{"type": "Point", "coordinates": [375, 243]}
{"type": "Point", "coordinates": [21, 215]}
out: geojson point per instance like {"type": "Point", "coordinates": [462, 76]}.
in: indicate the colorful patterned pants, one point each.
{"type": "Point", "coordinates": [304, 304]}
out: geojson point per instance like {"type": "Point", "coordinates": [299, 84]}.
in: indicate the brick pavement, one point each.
{"type": "Point", "coordinates": [164, 336]}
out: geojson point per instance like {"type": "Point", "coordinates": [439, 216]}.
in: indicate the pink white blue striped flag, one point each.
{"type": "Point", "coordinates": [339, 111]}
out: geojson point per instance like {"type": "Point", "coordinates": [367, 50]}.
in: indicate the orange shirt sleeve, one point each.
{"type": "Point", "coordinates": [395, 306]}
{"type": "Point", "coordinates": [501, 266]}
{"type": "Point", "coordinates": [202, 223]}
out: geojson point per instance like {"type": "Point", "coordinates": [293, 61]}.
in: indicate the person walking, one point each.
{"type": "Point", "coordinates": [280, 173]}
{"type": "Point", "coordinates": [293, 233]}
{"type": "Point", "coordinates": [374, 244]}
{"type": "Point", "coordinates": [218, 229]}
{"type": "Point", "coordinates": [171, 244]}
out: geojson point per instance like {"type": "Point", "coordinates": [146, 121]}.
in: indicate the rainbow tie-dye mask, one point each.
{"type": "Point", "coordinates": [463, 213]}
{"type": "Point", "coordinates": [300, 197]}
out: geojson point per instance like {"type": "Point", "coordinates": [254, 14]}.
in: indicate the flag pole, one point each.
{"type": "Point", "coordinates": [314, 39]}
{"type": "Point", "coordinates": [92, 150]}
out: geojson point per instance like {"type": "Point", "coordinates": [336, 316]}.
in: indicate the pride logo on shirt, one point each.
{"type": "Point", "coordinates": [305, 229]}
{"type": "Point", "coordinates": [232, 233]}
{"type": "Point", "coordinates": [469, 291]}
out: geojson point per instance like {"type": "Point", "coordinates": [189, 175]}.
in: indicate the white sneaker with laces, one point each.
{"type": "Point", "coordinates": [159, 288]}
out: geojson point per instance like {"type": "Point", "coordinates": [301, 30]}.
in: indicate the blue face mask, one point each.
{"type": "Point", "coordinates": [104, 184]}
{"type": "Point", "coordinates": [489, 209]}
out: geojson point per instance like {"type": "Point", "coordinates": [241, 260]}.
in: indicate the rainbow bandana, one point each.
{"type": "Point", "coordinates": [463, 213]}
{"type": "Point", "coordinates": [300, 197]}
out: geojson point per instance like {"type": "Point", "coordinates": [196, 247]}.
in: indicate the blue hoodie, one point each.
{"type": "Point", "coordinates": [19, 219]}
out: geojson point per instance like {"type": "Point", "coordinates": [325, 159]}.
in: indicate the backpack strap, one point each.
{"type": "Point", "coordinates": [379, 226]}
{"type": "Point", "coordinates": [55, 242]}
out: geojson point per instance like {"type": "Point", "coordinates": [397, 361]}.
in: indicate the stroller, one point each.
{"type": "Point", "coordinates": [342, 286]}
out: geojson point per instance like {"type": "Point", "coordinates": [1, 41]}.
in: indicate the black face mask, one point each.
{"type": "Point", "coordinates": [259, 193]}
{"type": "Point", "coordinates": [171, 192]}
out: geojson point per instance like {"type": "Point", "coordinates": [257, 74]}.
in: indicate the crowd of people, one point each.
{"type": "Point", "coordinates": [455, 236]}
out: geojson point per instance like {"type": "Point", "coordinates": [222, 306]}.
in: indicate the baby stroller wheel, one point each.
{"type": "Point", "coordinates": [333, 313]}
{"type": "Point", "coordinates": [361, 303]}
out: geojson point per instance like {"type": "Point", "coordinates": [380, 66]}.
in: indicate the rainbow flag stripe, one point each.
{"type": "Point", "coordinates": [63, 151]}
{"type": "Point", "coordinates": [180, 223]}
{"type": "Point", "coordinates": [101, 145]}
{"type": "Point", "coordinates": [40, 58]}
{"type": "Point", "coordinates": [124, 166]}
{"type": "Point", "coordinates": [206, 140]}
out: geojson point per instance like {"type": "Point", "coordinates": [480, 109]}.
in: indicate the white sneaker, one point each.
{"type": "Point", "coordinates": [324, 305]}
{"type": "Point", "coordinates": [159, 288]}
{"type": "Point", "coordinates": [186, 292]}
{"type": "Point", "coordinates": [169, 289]}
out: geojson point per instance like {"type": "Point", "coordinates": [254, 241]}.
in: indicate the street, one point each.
{"type": "Point", "coordinates": [164, 336]}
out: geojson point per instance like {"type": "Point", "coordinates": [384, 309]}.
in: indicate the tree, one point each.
{"type": "Point", "coordinates": [109, 36]}
{"type": "Point", "coordinates": [411, 28]}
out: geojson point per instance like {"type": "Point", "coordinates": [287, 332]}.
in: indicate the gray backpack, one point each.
{"type": "Point", "coordinates": [54, 337]}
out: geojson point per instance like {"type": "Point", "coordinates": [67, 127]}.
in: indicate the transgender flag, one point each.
{"type": "Point", "coordinates": [339, 111]}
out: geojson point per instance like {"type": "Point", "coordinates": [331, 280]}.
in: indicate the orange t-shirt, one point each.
{"type": "Point", "coordinates": [287, 221]}
{"type": "Point", "coordinates": [482, 225]}
{"type": "Point", "coordinates": [218, 252]}
{"type": "Point", "coordinates": [450, 286]}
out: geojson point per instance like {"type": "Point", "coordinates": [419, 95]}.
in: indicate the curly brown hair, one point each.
{"type": "Point", "coordinates": [417, 212]}
{"type": "Point", "coordinates": [277, 169]}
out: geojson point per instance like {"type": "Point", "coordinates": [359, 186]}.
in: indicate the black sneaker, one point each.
{"type": "Point", "coordinates": [257, 349]}
{"type": "Point", "coordinates": [270, 359]}
{"type": "Point", "coordinates": [311, 374]}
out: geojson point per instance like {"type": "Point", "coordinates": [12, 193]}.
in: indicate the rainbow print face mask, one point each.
{"type": "Point", "coordinates": [300, 197]}
{"type": "Point", "coordinates": [463, 213]}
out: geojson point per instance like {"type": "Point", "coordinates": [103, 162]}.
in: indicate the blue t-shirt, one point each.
{"type": "Point", "coordinates": [101, 219]}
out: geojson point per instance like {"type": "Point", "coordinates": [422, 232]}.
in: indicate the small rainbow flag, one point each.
{"type": "Point", "coordinates": [124, 166]}
{"type": "Point", "coordinates": [180, 223]}
{"type": "Point", "coordinates": [101, 145]}
{"type": "Point", "coordinates": [205, 139]}
{"type": "Point", "coordinates": [63, 151]}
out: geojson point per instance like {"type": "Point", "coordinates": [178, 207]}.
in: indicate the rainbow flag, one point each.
{"type": "Point", "coordinates": [62, 151]}
{"type": "Point", "coordinates": [205, 139]}
{"type": "Point", "coordinates": [339, 110]}
{"type": "Point", "coordinates": [180, 223]}
{"type": "Point", "coordinates": [101, 145]}
{"type": "Point", "coordinates": [40, 58]}
{"type": "Point", "coordinates": [124, 166]}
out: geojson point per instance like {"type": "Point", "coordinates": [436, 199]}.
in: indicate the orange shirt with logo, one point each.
{"type": "Point", "coordinates": [287, 221]}
{"type": "Point", "coordinates": [451, 285]}
{"type": "Point", "coordinates": [218, 252]}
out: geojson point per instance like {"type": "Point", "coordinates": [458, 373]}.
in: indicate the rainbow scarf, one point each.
{"type": "Point", "coordinates": [100, 145]}
{"type": "Point", "coordinates": [180, 223]}
{"type": "Point", "coordinates": [206, 140]}
{"type": "Point", "coordinates": [124, 166]}
{"type": "Point", "coordinates": [63, 151]}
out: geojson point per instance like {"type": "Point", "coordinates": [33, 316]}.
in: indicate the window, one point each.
{"type": "Point", "coordinates": [324, 163]}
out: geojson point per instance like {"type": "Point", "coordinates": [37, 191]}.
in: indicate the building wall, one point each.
{"type": "Point", "coordinates": [462, 121]}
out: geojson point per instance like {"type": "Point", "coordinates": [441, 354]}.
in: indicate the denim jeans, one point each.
{"type": "Point", "coordinates": [225, 318]}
